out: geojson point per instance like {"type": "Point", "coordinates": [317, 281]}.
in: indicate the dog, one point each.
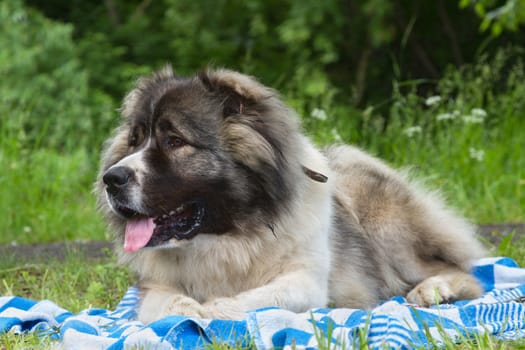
{"type": "Point", "coordinates": [220, 204]}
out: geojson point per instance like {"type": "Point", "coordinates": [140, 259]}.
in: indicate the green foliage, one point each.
{"type": "Point", "coordinates": [357, 72]}
{"type": "Point", "coordinates": [356, 47]}
{"type": "Point", "coordinates": [45, 95]}
{"type": "Point", "coordinates": [464, 139]}
{"type": "Point", "coordinates": [498, 15]}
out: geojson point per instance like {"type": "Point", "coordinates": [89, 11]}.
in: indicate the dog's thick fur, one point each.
{"type": "Point", "coordinates": [272, 234]}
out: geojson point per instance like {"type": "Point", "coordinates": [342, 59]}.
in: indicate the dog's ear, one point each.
{"type": "Point", "coordinates": [238, 92]}
{"type": "Point", "coordinates": [148, 88]}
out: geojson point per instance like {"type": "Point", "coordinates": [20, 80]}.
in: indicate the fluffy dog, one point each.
{"type": "Point", "coordinates": [220, 205]}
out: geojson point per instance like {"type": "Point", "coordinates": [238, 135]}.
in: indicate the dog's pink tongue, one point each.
{"type": "Point", "coordinates": [138, 233]}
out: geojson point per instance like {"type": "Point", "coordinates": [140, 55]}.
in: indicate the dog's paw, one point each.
{"type": "Point", "coordinates": [433, 290]}
{"type": "Point", "coordinates": [183, 306]}
{"type": "Point", "coordinates": [224, 308]}
{"type": "Point", "coordinates": [158, 304]}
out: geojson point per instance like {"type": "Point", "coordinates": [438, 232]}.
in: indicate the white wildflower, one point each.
{"type": "Point", "coordinates": [476, 154]}
{"type": "Point", "coordinates": [19, 16]}
{"type": "Point", "coordinates": [433, 100]}
{"type": "Point", "coordinates": [368, 111]}
{"type": "Point", "coordinates": [411, 131]}
{"type": "Point", "coordinates": [336, 135]}
{"type": "Point", "coordinates": [27, 229]}
{"type": "Point", "coordinates": [479, 112]}
{"type": "Point", "coordinates": [476, 116]}
{"type": "Point", "coordinates": [446, 116]}
{"type": "Point", "coordinates": [319, 114]}
{"type": "Point", "coordinates": [472, 119]}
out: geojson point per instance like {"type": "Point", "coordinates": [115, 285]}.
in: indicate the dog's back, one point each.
{"type": "Point", "coordinates": [389, 236]}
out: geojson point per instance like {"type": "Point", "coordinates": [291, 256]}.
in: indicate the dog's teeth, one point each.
{"type": "Point", "coordinates": [164, 216]}
{"type": "Point", "coordinates": [172, 212]}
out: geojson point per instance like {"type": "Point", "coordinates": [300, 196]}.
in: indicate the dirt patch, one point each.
{"type": "Point", "coordinates": [15, 253]}
{"type": "Point", "coordinates": [492, 233]}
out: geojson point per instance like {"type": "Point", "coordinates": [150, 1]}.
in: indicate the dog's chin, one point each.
{"type": "Point", "coordinates": [160, 231]}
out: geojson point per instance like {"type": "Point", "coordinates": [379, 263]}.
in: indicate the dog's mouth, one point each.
{"type": "Point", "coordinates": [142, 230]}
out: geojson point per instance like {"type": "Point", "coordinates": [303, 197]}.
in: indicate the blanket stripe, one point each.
{"type": "Point", "coordinates": [395, 323]}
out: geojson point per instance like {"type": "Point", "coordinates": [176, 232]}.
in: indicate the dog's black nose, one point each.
{"type": "Point", "coordinates": [117, 178]}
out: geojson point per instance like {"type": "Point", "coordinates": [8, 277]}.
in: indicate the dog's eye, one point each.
{"type": "Point", "coordinates": [134, 138]}
{"type": "Point", "coordinates": [174, 142]}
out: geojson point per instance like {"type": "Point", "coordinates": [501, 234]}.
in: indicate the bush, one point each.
{"type": "Point", "coordinates": [45, 97]}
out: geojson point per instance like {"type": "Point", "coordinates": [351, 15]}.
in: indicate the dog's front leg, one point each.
{"type": "Point", "coordinates": [298, 292]}
{"type": "Point", "coordinates": [159, 301]}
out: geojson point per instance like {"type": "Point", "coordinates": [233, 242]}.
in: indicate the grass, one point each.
{"type": "Point", "coordinates": [46, 194]}
{"type": "Point", "coordinates": [9, 341]}
{"type": "Point", "coordinates": [75, 283]}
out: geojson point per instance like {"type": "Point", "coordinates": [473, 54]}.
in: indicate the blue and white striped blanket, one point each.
{"type": "Point", "coordinates": [394, 324]}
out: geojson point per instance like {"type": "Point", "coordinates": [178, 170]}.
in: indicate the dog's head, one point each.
{"type": "Point", "coordinates": [204, 154]}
